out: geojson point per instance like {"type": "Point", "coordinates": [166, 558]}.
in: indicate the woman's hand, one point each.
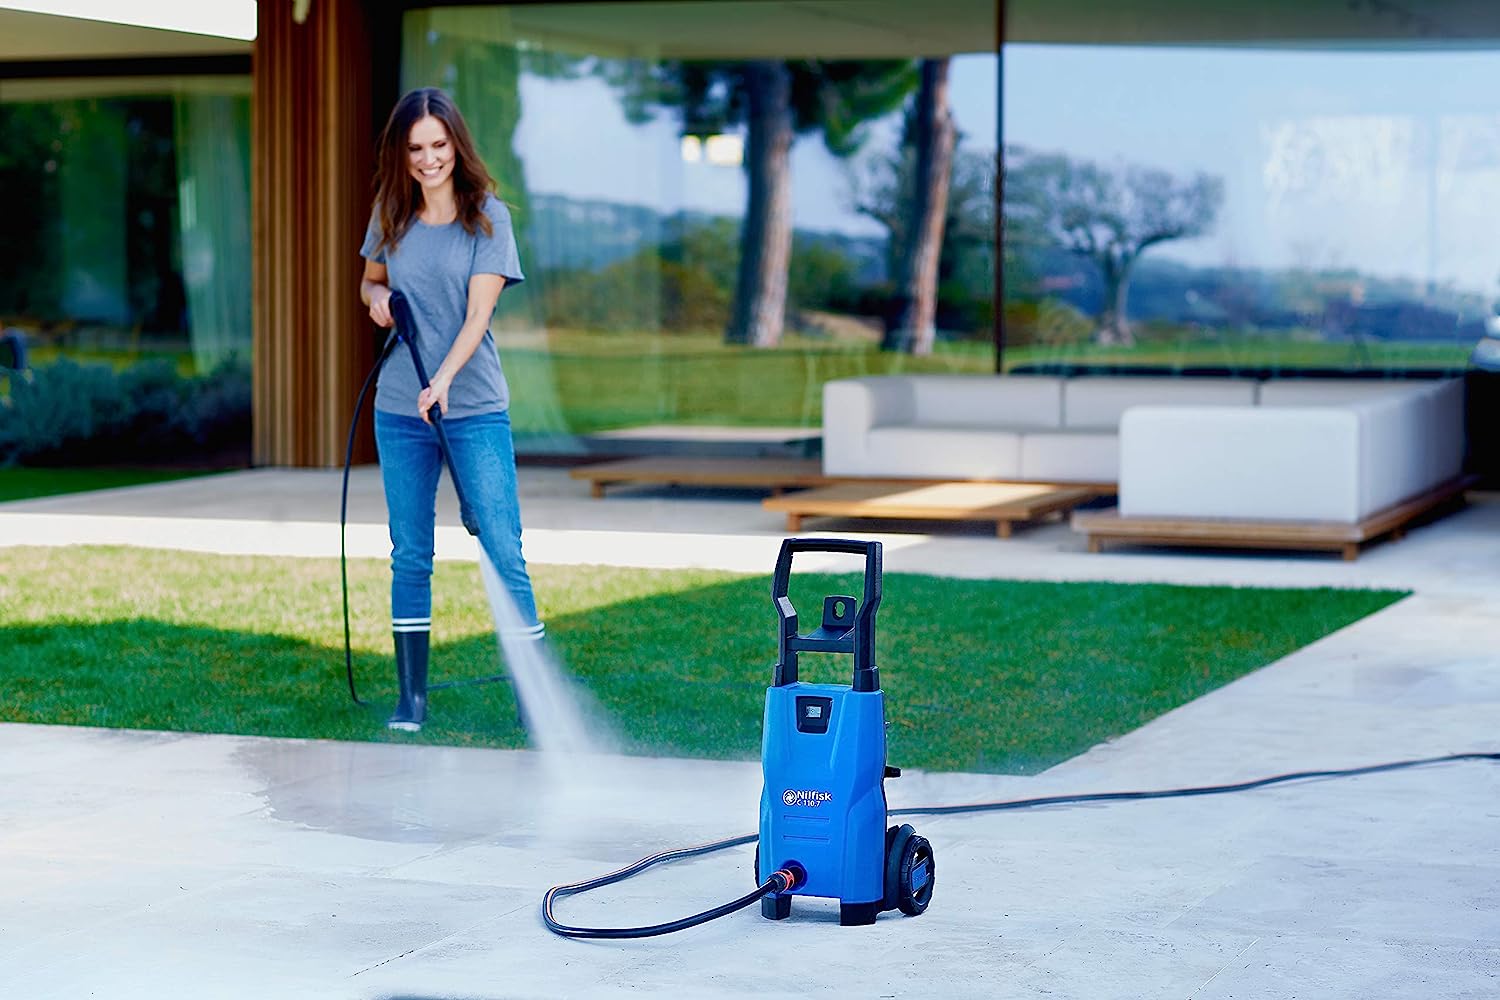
{"type": "Point", "coordinates": [435, 393]}
{"type": "Point", "coordinates": [375, 292]}
{"type": "Point", "coordinates": [380, 306]}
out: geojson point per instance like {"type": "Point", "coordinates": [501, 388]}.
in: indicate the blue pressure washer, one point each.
{"type": "Point", "coordinates": [823, 809]}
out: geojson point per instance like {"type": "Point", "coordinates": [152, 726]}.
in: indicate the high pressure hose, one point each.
{"type": "Point", "coordinates": [359, 405]}
{"type": "Point", "coordinates": [774, 884]}
{"type": "Point", "coordinates": [784, 880]}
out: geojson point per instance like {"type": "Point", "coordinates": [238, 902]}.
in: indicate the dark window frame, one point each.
{"type": "Point", "coordinates": [160, 66]}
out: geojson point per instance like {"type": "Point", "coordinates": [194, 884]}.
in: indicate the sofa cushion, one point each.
{"type": "Point", "coordinates": [1446, 435]}
{"type": "Point", "coordinates": [1241, 462]}
{"type": "Point", "coordinates": [1427, 433]}
{"type": "Point", "coordinates": [942, 453]}
{"type": "Point", "coordinates": [1329, 391]}
{"type": "Point", "coordinates": [988, 401]}
{"type": "Point", "coordinates": [1097, 402]}
{"type": "Point", "coordinates": [1070, 456]}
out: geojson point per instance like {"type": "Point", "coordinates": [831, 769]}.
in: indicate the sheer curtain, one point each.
{"type": "Point", "coordinates": [213, 181]}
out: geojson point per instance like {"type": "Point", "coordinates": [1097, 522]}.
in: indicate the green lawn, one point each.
{"type": "Point", "coordinates": [588, 382]}
{"type": "Point", "coordinates": [20, 483]}
{"type": "Point", "coordinates": [584, 382]}
{"type": "Point", "coordinates": [979, 675]}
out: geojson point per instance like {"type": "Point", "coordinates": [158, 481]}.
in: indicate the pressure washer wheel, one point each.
{"type": "Point", "coordinates": [910, 870]}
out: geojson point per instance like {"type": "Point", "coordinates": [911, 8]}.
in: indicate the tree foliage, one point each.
{"type": "Point", "coordinates": [775, 102]}
{"type": "Point", "coordinates": [1108, 215]}
{"type": "Point", "coordinates": [836, 98]}
{"type": "Point", "coordinates": [883, 191]}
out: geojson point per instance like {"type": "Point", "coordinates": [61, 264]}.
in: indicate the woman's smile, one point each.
{"type": "Point", "coordinates": [429, 153]}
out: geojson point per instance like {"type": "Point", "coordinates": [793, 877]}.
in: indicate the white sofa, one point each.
{"type": "Point", "coordinates": [1309, 451]}
{"type": "Point", "coordinates": [1016, 427]}
{"type": "Point", "coordinates": [1293, 449]}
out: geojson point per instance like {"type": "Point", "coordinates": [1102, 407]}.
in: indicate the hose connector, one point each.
{"type": "Point", "coordinates": [790, 876]}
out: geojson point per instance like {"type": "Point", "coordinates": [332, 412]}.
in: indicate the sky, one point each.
{"type": "Point", "coordinates": [1383, 161]}
{"type": "Point", "coordinates": [1388, 162]}
{"type": "Point", "coordinates": [612, 160]}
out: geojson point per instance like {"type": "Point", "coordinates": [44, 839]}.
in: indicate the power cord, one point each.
{"type": "Point", "coordinates": [774, 884]}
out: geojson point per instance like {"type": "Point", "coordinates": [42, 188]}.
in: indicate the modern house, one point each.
{"type": "Point", "coordinates": [1188, 188]}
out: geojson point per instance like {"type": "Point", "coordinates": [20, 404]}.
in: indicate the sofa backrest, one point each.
{"type": "Point", "coordinates": [1395, 433]}
{"type": "Point", "coordinates": [1433, 428]}
{"type": "Point", "coordinates": [986, 400]}
{"type": "Point", "coordinates": [1097, 402]}
{"type": "Point", "coordinates": [1326, 391]}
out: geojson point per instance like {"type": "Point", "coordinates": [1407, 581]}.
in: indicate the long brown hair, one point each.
{"type": "Point", "coordinates": [397, 195]}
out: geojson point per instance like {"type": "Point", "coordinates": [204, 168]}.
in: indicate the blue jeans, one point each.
{"type": "Point", "coordinates": [410, 464]}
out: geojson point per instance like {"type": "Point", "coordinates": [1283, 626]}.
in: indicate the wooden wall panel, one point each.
{"type": "Point", "coordinates": [311, 168]}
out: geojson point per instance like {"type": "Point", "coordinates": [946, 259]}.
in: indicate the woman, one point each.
{"type": "Point", "coordinates": [440, 237]}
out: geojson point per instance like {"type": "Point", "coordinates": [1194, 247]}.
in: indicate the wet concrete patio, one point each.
{"type": "Point", "coordinates": [155, 864]}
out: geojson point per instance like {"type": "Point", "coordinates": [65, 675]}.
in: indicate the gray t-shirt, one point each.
{"type": "Point", "coordinates": [431, 266]}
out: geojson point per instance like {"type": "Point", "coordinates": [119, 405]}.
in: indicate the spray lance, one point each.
{"type": "Point", "coordinates": [404, 330]}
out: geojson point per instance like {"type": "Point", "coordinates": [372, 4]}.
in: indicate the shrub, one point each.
{"type": "Point", "coordinates": [77, 414]}
{"type": "Point", "coordinates": [1049, 322]}
{"type": "Point", "coordinates": [643, 292]}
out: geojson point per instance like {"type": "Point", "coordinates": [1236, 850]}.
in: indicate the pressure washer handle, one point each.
{"type": "Point", "coordinates": [406, 327]}
{"type": "Point", "coordinates": [862, 643]}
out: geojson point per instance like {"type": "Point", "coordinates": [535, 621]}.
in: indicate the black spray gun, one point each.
{"type": "Point", "coordinates": [406, 330]}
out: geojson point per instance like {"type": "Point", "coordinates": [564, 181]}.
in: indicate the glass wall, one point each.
{"type": "Point", "coordinates": [721, 205]}
{"type": "Point", "coordinates": [1281, 187]}
{"type": "Point", "coordinates": [125, 271]}
{"type": "Point", "coordinates": [128, 229]}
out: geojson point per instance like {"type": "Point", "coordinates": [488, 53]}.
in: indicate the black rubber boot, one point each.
{"type": "Point", "coordinates": [411, 674]}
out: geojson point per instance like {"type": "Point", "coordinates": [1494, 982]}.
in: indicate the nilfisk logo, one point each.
{"type": "Point", "coordinates": [805, 797]}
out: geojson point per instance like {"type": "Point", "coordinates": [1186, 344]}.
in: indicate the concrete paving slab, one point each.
{"type": "Point", "coordinates": [150, 864]}
{"type": "Point", "coordinates": [295, 512]}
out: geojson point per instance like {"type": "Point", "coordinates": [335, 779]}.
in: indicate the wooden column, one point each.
{"type": "Point", "coordinates": [312, 162]}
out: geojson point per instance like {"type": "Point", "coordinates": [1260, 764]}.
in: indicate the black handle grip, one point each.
{"type": "Point", "coordinates": [850, 546]}
{"type": "Point", "coordinates": [406, 328]}
{"type": "Point", "coordinates": [866, 675]}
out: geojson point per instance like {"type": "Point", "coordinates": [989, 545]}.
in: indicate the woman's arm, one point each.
{"type": "Point", "coordinates": [375, 292]}
{"type": "Point", "coordinates": [484, 292]}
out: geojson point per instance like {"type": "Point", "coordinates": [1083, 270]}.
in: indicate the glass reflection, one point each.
{"type": "Point", "coordinates": [723, 205]}
{"type": "Point", "coordinates": [1249, 207]}
{"type": "Point", "coordinates": [128, 234]}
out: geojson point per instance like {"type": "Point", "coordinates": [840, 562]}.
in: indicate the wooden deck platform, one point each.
{"type": "Point", "coordinates": [1003, 503]}
{"type": "Point", "coordinates": [775, 474]}
{"type": "Point", "coordinates": [1346, 539]}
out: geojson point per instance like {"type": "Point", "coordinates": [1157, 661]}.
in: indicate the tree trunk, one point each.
{"type": "Point", "coordinates": [934, 137]}
{"type": "Point", "coordinates": [1114, 325]}
{"type": "Point", "coordinates": [759, 310]}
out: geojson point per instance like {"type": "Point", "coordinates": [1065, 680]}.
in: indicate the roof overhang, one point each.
{"type": "Point", "coordinates": [27, 36]}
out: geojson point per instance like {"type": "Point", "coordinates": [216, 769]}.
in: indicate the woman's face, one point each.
{"type": "Point", "coordinates": [429, 154]}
